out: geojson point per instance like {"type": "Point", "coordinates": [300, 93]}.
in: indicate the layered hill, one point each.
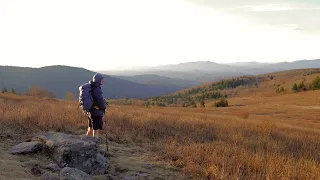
{"type": "Point", "coordinates": [207, 71]}
{"type": "Point", "coordinates": [161, 81]}
{"type": "Point", "coordinates": [63, 79]}
{"type": "Point", "coordinates": [271, 84]}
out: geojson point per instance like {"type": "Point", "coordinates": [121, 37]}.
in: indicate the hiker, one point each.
{"type": "Point", "coordinates": [95, 116]}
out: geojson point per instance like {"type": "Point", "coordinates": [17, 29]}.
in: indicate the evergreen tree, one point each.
{"type": "Point", "coordinates": [295, 87]}
{"type": "Point", "coordinates": [302, 87]}
{"type": "Point", "coordinates": [222, 103]}
{"type": "Point", "coordinates": [4, 90]}
{"type": "Point", "coordinates": [13, 91]}
{"type": "Point", "coordinates": [202, 103]}
{"type": "Point", "coordinates": [316, 83]}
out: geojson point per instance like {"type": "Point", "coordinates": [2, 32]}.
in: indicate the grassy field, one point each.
{"type": "Point", "coordinates": [261, 135]}
{"type": "Point", "coordinates": [276, 137]}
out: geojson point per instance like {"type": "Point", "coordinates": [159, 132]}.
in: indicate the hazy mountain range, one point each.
{"type": "Point", "coordinates": [144, 83]}
{"type": "Point", "coordinates": [62, 79]}
{"type": "Point", "coordinates": [160, 81]}
{"type": "Point", "coordinates": [205, 71]}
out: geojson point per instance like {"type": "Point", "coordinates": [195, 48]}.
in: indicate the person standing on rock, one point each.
{"type": "Point", "coordinates": [95, 116]}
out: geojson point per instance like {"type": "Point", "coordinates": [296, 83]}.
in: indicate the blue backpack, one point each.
{"type": "Point", "coordinates": [85, 97]}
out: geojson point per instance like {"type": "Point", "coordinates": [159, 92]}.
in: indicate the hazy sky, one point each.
{"type": "Point", "coordinates": [117, 34]}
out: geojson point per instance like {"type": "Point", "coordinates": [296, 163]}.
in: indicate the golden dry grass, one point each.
{"type": "Point", "coordinates": [286, 79]}
{"type": "Point", "coordinates": [275, 137]}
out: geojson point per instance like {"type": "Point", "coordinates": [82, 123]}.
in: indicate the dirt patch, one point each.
{"type": "Point", "coordinates": [304, 107]}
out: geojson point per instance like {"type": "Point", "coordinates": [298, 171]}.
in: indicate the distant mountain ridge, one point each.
{"type": "Point", "coordinates": [155, 81]}
{"type": "Point", "coordinates": [161, 81]}
{"type": "Point", "coordinates": [62, 79]}
{"type": "Point", "coordinates": [206, 71]}
{"type": "Point", "coordinates": [252, 64]}
{"type": "Point", "coordinates": [196, 66]}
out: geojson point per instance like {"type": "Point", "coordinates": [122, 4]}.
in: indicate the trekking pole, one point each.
{"type": "Point", "coordinates": [106, 131]}
{"type": "Point", "coordinates": [106, 127]}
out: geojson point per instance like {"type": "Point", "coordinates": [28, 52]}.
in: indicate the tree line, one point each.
{"type": "Point", "coordinates": [37, 91]}
{"type": "Point", "coordinates": [199, 95]}
{"type": "Point", "coordinates": [302, 86]}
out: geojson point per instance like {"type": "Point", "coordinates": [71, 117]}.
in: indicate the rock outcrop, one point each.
{"type": "Point", "coordinates": [73, 174]}
{"type": "Point", "coordinates": [26, 148]}
{"type": "Point", "coordinates": [76, 153]}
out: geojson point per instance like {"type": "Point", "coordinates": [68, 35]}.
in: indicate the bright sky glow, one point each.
{"type": "Point", "coordinates": [120, 34]}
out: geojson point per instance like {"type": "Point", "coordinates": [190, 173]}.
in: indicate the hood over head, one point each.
{"type": "Point", "coordinates": [97, 78]}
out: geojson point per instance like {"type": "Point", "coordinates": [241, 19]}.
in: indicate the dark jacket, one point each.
{"type": "Point", "coordinates": [97, 96]}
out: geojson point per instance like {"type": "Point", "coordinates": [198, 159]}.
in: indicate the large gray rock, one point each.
{"type": "Point", "coordinates": [54, 139]}
{"type": "Point", "coordinates": [52, 167]}
{"type": "Point", "coordinates": [26, 147]}
{"type": "Point", "coordinates": [49, 176]}
{"type": "Point", "coordinates": [76, 152]}
{"type": "Point", "coordinates": [73, 174]}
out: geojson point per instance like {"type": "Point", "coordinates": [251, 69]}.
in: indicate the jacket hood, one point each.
{"type": "Point", "coordinates": [97, 78]}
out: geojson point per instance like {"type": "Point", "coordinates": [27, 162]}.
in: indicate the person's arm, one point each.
{"type": "Point", "coordinates": [99, 99]}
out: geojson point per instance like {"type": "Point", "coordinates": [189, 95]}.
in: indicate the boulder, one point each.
{"type": "Point", "coordinates": [26, 147]}
{"type": "Point", "coordinates": [55, 139]}
{"type": "Point", "coordinates": [52, 167]}
{"type": "Point", "coordinates": [73, 174]}
{"type": "Point", "coordinates": [49, 176]}
{"type": "Point", "coordinates": [81, 152]}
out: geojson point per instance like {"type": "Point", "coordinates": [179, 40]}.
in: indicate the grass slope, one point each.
{"type": "Point", "coordinates": [267, 137]}
{"type": "Point", "coordinates": [261, 85]}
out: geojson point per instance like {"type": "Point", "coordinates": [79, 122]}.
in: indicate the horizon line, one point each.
{"type": "Point", "coordinates": [136, 68]}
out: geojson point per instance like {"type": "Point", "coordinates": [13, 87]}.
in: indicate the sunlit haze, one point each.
{"type": "Point", "coordinates": [115, 35]}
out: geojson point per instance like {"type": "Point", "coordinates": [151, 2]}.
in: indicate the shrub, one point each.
{"type": "Point", "coordinates": [280, 89]}
{"type": "Point", "coordinates": [40, 92]}
{"type": "Point", "coordinates": [295, 87]}
{"type": "Point", "coordinates": [222, 103]}
{"type": "Point", "coordinates": [302, 87]}
{"type": "Point", "coordinates": [271, 77]}
{"type": "Point", "coordinates": [316, 83]}
{"type": "Point", "coordinates": [202, 103]}
{"type": "Point", "coordinates": [13, 91]}
{"type": "Point", "coordinates": [4, 90]}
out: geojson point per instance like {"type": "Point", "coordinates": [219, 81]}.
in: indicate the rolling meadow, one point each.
{"type": "Point", "coordinates": [261, 135]}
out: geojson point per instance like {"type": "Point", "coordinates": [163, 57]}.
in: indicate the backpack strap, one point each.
{"type": "Point", "coordinates": [92, 89]}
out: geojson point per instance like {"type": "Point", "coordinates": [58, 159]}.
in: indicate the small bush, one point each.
{"type": "Point", "coordinates": [304, 87]}
{"type": "Point", "coordinates": [222, 103]}
{"type": "Point", "coordinates": [202, 103]}
{"type": "Point", "coordinates": [244, 115]}
{"type": "Point", "coordinates": [13, 91]}
{"type": "Point", "coordinates": [4, 90]}
{"type": "Point", "coordinates": [271, 77]}
{"type": "Point", "coordinates": [40, 92]}
{"type": "Point", "coordinates": [316, 83]}
{"type": "Point", "coordinates": [295, 87]}
{"type": "Point", "coordinates": [280, 89]}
